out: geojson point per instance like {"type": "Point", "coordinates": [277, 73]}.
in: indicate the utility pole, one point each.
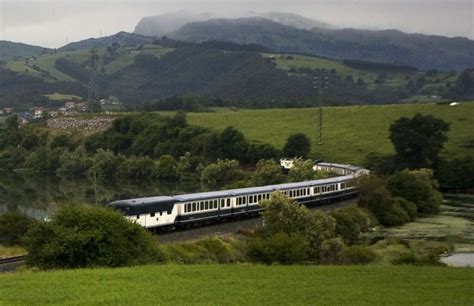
{"type": "Point", "coordinates": [320, 84]}
{"type": "Point", "coordinates": [94, 62]}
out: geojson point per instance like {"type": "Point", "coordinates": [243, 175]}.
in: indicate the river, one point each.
{"type": "Point", "coordinates": [38, 195]}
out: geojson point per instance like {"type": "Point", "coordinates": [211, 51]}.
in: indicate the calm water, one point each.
{"type": "Point", "coordinates": [39, 195]}
{"type": "Point", "coordinates": [459, 260]}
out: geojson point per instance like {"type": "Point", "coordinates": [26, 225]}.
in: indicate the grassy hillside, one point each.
{"type": "Point", "coordinates": [350, 133]}
{"type": "Point", "coordinates": [242, 284]}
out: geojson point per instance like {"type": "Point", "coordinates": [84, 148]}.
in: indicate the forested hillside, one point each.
{"type": "Point", "coordinates": [391, 46]}
{"type": "Point", "coordinates": [169, 74]}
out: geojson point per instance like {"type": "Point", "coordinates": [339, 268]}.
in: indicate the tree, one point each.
{"type": "Point", "coordinates": [79, 236]}
{"type": "Point", "coordinates": [74, 163]}
{"type": "Point", "coordinates": [374, 196]}
{"type": "Point", "coordinates": [13, 227]}
{"type": "Point", "coordinates": [297, 145]}
{"type": "Point", "coordinates": [233, 144]}
{"type": "Point", "coordinates": [268, 172]}
{"type": "Point", "coordinates": [302, 170]}
{"type": "Point", "coordinates": [419, 140]}
{"type": "Point", "coordinates": [418, 187]}
{"type": "Point", "coordinates": [220, 174]}
{"type": "Point", "coordinates": [166, 169]}
{"type": "Point", "coordinates": [105, 165]}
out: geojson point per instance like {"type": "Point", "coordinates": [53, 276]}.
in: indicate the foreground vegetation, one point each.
{"type": "Point", "coordinates": [242, 284]}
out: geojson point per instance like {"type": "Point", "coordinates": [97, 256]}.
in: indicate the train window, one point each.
{"type": "Point", "coordinates": [228, 202]}
{"type": "Point", "coordinates": [138, 216]}
{"type": "Point", "coordinates": [244, 200]}
{"type": "Point", "coordinates": [215, 204]}
{"type": "Point", "coordinates": [206, 205]}
{"type": "Point", "coordinates": [194, 206]}
{"type": "Point", "coordinates": [152, 214]}
{"type": "Point", "coordinates": [222, 203]}
{"type": "Point", "coordinates": [201, 205]}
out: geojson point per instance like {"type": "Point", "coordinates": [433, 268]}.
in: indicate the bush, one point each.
{"type": "Point", "coordinates": [302, 170]}
{"type": "Point", "coordinates": [74, 163]}
{"type": "Point", "coordinates": [207, 250]}
{"type": "Point", "coordinates": [220, 174]}
{"type": "Point", "coordinates": [142, 168]}
{"type": "Point", "coordinates": [268, 172]}
{"type": "Point", "coordinates": [79, 236]}
{"type": "Point", "coordinates": [166, 169]}
{"type": "Point", "coordinates": [13, 227]}
{"type": "Point", "coordinates": [278, 248]}
{"type": "Point", "coordinates": [105, 164]}
{"type": "Point", "coordinates": [418, 187]}
{"type": "Point", "coordinates": [357, 255]}
{"type": "Point", "coordinates": [350, 221]}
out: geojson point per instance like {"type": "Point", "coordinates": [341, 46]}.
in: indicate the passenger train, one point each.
{"type": "Point", "coordinates": [195, 208]}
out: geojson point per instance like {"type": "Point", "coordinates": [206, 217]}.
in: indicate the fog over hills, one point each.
{"type": "Point", "coordinates": [168, 23]}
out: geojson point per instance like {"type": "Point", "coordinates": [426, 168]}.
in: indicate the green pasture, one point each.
{"type": "Point", "coordinates": [349, 132]}
{"type": "Point", "coordinates": [61, 97]}
{"type": "Point", "coordinates": [242, 285]}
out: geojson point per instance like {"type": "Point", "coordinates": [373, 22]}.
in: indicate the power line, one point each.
{"type": "Point", "coordinates": [320, 83]}
{"type": "Point", "coordinates": [93, 90]}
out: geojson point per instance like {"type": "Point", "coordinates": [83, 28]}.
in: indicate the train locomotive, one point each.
{"type": "Point", "coordinates": [185, 210]}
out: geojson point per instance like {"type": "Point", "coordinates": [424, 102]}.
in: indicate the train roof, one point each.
{"type": "Point", "coordinates": [167, 201]}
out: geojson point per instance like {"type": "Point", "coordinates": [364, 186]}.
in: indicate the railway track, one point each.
{"type": "Point", "coordinates": [11, 260]}
{"type": "Point", "coordinates": [11, 263]}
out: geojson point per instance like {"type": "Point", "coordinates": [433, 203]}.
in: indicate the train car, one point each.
{"type": "Point", "coordinates": [195, 208]}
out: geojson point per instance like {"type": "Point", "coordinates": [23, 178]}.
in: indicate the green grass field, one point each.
{"type": "Point", "coordinates": [61, 97]}
{"type": "Point", "coordinates": [242, 285]}
{"type": "Point", "coordinates": [350, 132]}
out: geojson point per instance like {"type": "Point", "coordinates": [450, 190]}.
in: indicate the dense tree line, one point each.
{"type": "Point", "coordinates": [385, 67]}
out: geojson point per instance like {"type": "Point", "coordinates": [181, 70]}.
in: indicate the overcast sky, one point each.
{"type": "Point", "coordinates": [52, 23]}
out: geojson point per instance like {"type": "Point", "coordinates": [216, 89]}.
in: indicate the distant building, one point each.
{"type": "Point", "coordinates": [38, 113]}
{"type": "Point", "coordinates": [103, 102]}
{"type": "Point", "coordinates": [70, 105]}
{"type": "Point", "coordinates": [8, 110]}
{"type": "Point", "coordinates": [23, 121]}
{"type": "Point", "coordinates": [1, 112]}
{"type": "Point", "coordinates": [454, 104]}
{"type": "Point", "coordinates": [62, 110]}
{"type": "Point", "coordinates": [53, 114]}
{"type": "Point", "coordinates": [82, 107]}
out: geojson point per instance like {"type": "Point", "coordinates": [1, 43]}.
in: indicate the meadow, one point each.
{"type": "Point", "coordinates": [242, 285]}
{"type": "Point", "coordinates": [349, 132]}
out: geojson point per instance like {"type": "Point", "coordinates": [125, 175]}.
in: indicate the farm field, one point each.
{"type": "Point", "coordinates": [242, 285]}
{"type": "Point", "coordinates": [350, 132]}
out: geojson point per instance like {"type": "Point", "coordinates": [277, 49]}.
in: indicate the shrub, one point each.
{"type": "Point", "coordinates": [166, 169]}
{"type": "Point", "coordinates": [268, 172]}
{"type": "Point", "coordinates": [74, 163]}
{"type": "Point", "coordinates": [278, 248]}
{"type": "Point", "coordinates": [79, 236]}
{"type": "Point", "coordinates": [13, 227]}
{"type": "Point", "coordinates": [220, 174]}
{"type": "Point", "coordinates": [138, 168]}
{"type": "Point", "coordinates": [302, 170]}
{"type": "Point", "coordinates": [357, 255]}
{"type": "Point", "coordinates": [105, 164]}
{"type": "Point", "coordinates": [418, 187]}
{"type": "Point", "coordinates": [350, 221]}
{"type": "Point", "coordinates": [375, 196]}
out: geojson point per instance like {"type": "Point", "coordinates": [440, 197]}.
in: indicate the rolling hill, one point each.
{"type": "Point", "coordinates": [10, 49]}
{"type": "Point", "coordinates": [422, 51]}
{"type": "Point", "coordinates": [227, 74]}
{"type": "Point", "coordinates": [121, 38]}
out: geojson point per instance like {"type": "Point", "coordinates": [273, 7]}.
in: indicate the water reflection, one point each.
{"type": "Point", "coordinates": [38, 195]}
